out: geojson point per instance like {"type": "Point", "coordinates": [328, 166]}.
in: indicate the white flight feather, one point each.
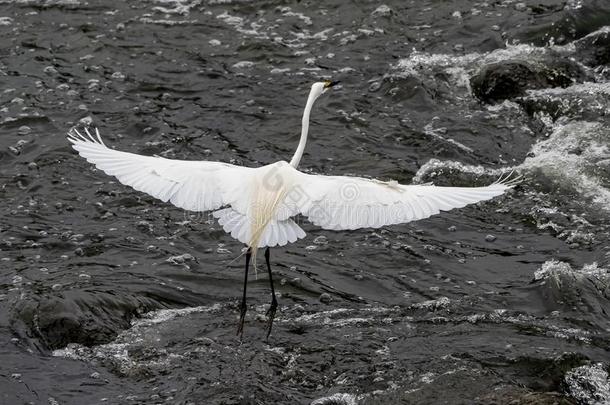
{"type": "Point", "coordinates": [259, 202]}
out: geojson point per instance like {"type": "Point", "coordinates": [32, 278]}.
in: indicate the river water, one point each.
{"type": "Point", "coordinates": [110, 296]}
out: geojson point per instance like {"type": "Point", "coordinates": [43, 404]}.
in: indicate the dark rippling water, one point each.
{"type": "Point", "coordinates": [110, 296]}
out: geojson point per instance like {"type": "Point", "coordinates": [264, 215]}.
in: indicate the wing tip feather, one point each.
{"type": "Point", "coordinates": [509, 179]}
{"type": "Point", "coordinates": [76, 137]}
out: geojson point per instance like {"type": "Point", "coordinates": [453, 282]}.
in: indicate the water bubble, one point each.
{"type": "Point", "coordinates": [325, 298]}
{"type": "Point", "coordinates": [50, 70]}
{"type": "Point", "coordinates": [320, 240]}
{"type": "Point", "coordinates": [382, 11]}
{"type": "Point", "coordinates": [374, 86]}
{"type": "Point", "coordinates": [24, 130]}
{"type": "Point", "coordinates": [180, 259]}
{"type": "Point", "coordinates": [244, 64]}
{"type": "Point", "coordinates": [520, 6]}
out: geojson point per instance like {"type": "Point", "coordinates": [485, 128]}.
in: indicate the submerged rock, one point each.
{"type": "Point", "coordinates": [510, 79]}
{"type": "Point", "coordinates": [325, 298]}
{"type": "Point", "coordinates": [594, 49]}
{"type": "Point", "coordinates": [80, 317]}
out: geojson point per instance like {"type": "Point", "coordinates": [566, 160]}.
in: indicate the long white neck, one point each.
{"type": "Point", "coordinates": [304, 129]}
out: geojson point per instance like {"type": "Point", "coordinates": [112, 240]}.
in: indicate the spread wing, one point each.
{"type": "Point", "coordinates": [192, 185]}
{"type": "Point", "coordinates": [341, 202]}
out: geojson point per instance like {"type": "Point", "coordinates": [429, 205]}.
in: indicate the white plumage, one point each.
{"type": "Point", "coordinates": [256, 205]}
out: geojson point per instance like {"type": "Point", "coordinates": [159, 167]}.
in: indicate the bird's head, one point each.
{"type": "Point", "coordinates": [319, 88]}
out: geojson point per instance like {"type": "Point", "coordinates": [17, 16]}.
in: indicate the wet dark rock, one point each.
{"type": "Point", "coordinates": [70, 316]}
{"type": "Point", "coordinates": [594, 49]}
{"type": "Point", "coordinates": [510, 79]}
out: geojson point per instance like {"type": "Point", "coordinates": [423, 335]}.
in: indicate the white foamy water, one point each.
{"type": "Point", "coordinates": [460, 66]}
{"type": "Point", "coordinates": [420, 61]}
{"type": "Point", "coordinates": [587, 88]}
{"type": "Point", "coordinates": [570, 155]}
{"type": "Point", "coordinates": [589, 384]}
{"type": "Point", "coordinates": [336, 399]}
{"type": "Point", "coordinates": [117, 352]}
{"type": "Point", "coordinates": [575, 154]}
{"type": "Point", "coordinates": [553, 269]}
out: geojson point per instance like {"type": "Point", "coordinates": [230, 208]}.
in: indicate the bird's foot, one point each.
{"type": "Point", "coordinates": [242, 318]}
{"type": "Point", "coordinates": [271, 316]}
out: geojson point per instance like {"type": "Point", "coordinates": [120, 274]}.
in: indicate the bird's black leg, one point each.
{"type": "Point", "coordinates": [273, 307]}
{"type": "Point", "coordinates": [244, 308]}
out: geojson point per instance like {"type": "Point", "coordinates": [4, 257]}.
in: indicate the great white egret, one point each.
{"type": "Point", "coordinates": [256, 205]}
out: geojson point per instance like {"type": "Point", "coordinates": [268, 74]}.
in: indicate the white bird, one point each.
{"type": "Point", "coordinates": [256, 205]}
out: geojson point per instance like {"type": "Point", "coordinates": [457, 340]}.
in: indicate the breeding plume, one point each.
{"type": "Point", "coordinates": [256, 204]}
